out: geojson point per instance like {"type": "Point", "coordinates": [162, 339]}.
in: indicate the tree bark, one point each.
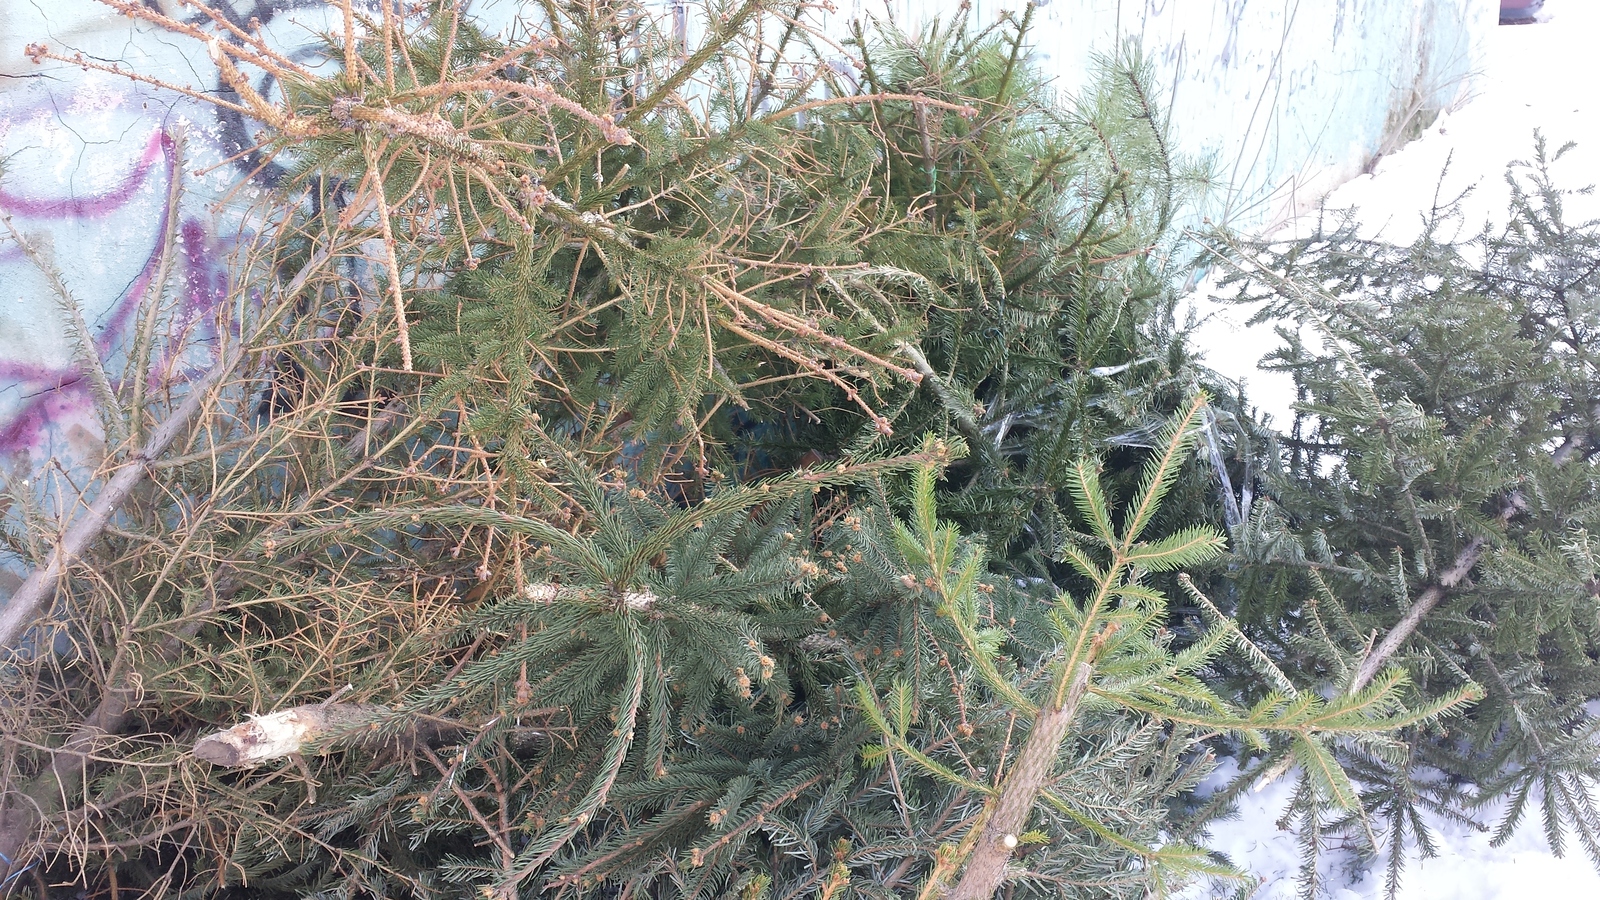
{"type": "Point", "coordinates": [1030, 772]}
{"type": "Point", "coordinates": [1402, 631]}
{"type": "Point", "coordinates": [314, 727]}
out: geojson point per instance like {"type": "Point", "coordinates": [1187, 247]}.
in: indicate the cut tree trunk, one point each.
{"type": "Point", "coordinates": [986, 868]}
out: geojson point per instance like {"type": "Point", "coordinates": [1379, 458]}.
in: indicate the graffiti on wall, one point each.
{"type": "Point", "coordinates": [88, 163]}
{"type": "Point", "coordinates": [49, 395]}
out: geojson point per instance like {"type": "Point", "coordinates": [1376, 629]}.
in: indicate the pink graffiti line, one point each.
{"type": "Point", "coordinates": [62, 392]}
{"type": "Point", "coordinates": [94, 205]}
{"type": "Point", "coordinates": [32, 420]}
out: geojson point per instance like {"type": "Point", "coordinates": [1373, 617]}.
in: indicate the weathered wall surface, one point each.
{"type": "Point", "coordinates": [88, 162]}
{"type": "Point", "coordinates": [1287, 96]}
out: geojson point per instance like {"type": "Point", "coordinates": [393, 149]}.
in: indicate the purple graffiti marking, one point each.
{"type": "Point", "coordinates": [160, 146]}
{"type": "Point", "coordinates": [117, 133]}
{"type": "Point", "coordinates": [55, 394]}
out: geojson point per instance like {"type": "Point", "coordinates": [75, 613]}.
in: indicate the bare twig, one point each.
{"type": "Point", "coordinates": [145, 337]}
{"type": "Point", "coordinates": [392, 265]}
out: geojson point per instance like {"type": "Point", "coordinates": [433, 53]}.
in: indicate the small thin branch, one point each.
{"type": "Point", "coordinates": [144, 339]}
{"type": "Point", "coordinates": [507, 855]}
{"type": "Point", "coordinates": [83, 342]}
{"type": "Point", "coordinates": [1430, 598]}
{"type": "Point", "coordinates": [389, 259]}
{"type": "Point", "coordinates": [26, 604]}
{"type": "Point", "coordinates": [948, 398]}
{"type": "Point", "coordinates": [962, 109]}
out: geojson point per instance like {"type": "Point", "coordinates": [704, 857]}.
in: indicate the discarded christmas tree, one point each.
{"type": "Point", "coordinates": [1433, 508]}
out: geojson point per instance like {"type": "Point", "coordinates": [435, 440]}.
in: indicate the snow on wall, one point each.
{"type": "Point", "coordinates": [1288, 97]}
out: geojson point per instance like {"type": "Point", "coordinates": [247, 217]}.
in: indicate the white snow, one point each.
{"type": "Point", "coordinates": [1466, 867]}
{"type": "Point", "coordinates": [1536, 76]}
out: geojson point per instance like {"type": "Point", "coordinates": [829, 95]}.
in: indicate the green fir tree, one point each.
{"type": "Point", "coordinates": [1433, 507]}
{"type": "Point", "coordinates": [657, 470]}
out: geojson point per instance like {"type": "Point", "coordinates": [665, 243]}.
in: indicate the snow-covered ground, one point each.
{"type": "Point", "coordinates": [1466, 867]}
{"type": "Point", "coordinates": [1538, 76]}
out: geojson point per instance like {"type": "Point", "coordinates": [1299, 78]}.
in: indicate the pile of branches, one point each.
{"type": "Point", "coordinates": [523, 321]}
{"type": "Point", "coordinates": [641, 466]}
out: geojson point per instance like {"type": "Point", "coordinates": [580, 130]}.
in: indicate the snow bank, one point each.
{"type": "Point", "coordinates": [1538, 76]}
{"type": "Point", "coordinates": [1467, 867]}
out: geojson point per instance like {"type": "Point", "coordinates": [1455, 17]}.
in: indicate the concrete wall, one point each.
{"type": "Point", "coordinates": [1288, 97]}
